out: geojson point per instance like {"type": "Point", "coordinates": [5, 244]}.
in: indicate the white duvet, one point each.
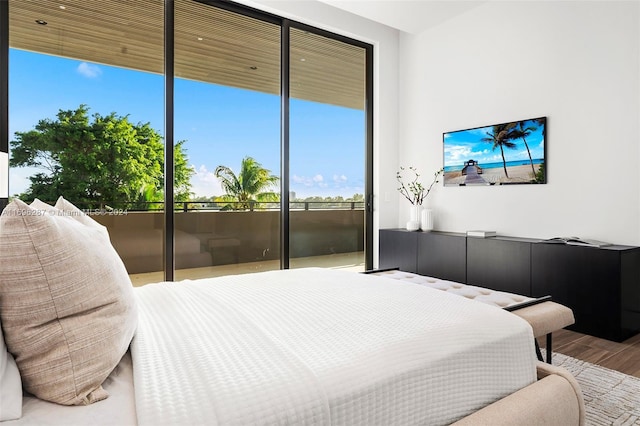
{"type": "Point", "coordinates": [319, 347]}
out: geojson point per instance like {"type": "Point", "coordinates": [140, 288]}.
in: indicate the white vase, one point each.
{"type": "Point", "coordinates": [426, 220]}
{"type": "Point", "coordinates": [414, 218]}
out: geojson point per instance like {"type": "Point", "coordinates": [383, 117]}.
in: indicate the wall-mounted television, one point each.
{"type": "Point", "coordinates": [498, 154]}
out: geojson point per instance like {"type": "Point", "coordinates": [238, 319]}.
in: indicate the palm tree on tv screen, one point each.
{"type": "Point", "coordinates": [522, 132]}
{"type": "Point", "coordinates": [501, 136]}
{"type": "Point", "coordinates": [250, 185]}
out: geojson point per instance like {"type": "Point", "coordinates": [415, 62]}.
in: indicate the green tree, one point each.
{"type": "Point", "coordinates": [501, 137]}
{"type": "Point", "coordinates": [102, 159]}
{"type": "Point", "coordinates": [250, 185]}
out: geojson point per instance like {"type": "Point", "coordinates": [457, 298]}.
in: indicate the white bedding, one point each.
{"type": "Point", "coordinates": [117, 410]}
{"type": "Point", "coordinates": [317, 346]}
{"type": "Point", "coordinates": [276, 348]}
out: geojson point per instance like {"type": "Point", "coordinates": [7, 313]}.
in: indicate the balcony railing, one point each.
{"type": "Point", "coordinates": [207, 235]}
{"type": "Point", "coordinates": [189, 206]}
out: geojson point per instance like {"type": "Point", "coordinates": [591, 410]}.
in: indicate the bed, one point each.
{"type": "Point", "coordinates": [308, 346]}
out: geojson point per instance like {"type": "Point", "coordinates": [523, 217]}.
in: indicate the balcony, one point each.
{"type": "Point", "coordinates": [211, 242]}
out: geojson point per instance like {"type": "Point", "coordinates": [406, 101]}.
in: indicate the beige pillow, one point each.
{"type": "Point", "coordinates": [66, 301]}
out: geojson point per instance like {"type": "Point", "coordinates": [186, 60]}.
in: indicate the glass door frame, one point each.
{"type": "Point", "coordinates": [4, 94]}
{"type": "Point", "coordinates": [286, 25]}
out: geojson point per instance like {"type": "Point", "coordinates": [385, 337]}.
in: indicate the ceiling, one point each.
{"type": "Point", "coordinates": [211, 45]}
{"type": "Point", "coordinates": [214, 45]}
{"type": "Point", "coordinates": [411, 16]}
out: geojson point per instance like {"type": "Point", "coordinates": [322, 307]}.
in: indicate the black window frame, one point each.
{"type": "Point", "coordinates": [169, 22]}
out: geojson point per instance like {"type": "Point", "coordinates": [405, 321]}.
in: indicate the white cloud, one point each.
{"type": "Point", "coordinates": [204, 183]}
{"type": "Point", "coordinates": [339, 184]}
{"type": "Point", "coordinates": [19, 181]}
{"type": "Point", "coordinates": [302, 180]}
{"type": "Point", "coordinates": [316, 181]}
{"type": "Point", "coordinates": [89, 70]}
{"type": "Point", "coordinates": [457, 152]}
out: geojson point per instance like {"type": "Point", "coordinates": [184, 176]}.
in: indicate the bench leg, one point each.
{"type": "Point", "coordinates": [548, 350]}
{"type": "Point", "coordinates": [538, 353]}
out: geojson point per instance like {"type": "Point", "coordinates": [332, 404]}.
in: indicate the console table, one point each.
{"type": "Point", "coordinates": [601, 285]}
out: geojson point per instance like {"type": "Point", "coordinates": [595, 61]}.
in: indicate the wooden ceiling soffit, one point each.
{"type": "Point", "coordinates": [211, 45]}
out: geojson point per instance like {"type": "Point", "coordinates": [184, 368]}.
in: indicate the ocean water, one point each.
{"type": "Point", "coordinates": [498, 164]}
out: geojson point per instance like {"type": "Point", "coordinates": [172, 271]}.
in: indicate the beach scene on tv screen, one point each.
{"type": "Point", "coordinates": [499, 154]}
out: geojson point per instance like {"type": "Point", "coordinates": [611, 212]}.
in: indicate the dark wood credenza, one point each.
{"type": "Point", "coordinates": [601, 285]}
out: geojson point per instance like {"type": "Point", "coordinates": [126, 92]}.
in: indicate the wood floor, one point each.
{"type": "Point", "coordinates": [623, 357]}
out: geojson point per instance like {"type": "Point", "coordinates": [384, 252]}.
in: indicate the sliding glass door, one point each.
{"type": "Point", "coordinates": [227, 120]}
{"type": "Point", "coordinates": [208, 137]}
{"type": "Point", "coordinates": [327, 151]}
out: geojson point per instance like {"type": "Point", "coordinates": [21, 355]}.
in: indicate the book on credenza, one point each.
{"type": "Point", "coordinates": [575, 241]}
{"type": "Point", "coordinates": [481, 234]}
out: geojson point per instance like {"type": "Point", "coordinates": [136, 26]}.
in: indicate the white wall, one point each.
{"type": "Point", "coordinates": [576, 62]}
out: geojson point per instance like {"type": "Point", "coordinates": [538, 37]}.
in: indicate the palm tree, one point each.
{"type": "Point", "coordinates": [522, 132]}
{"type": "Point", "coordinates": [501, 137]}
{"type": "Point", "coordinates": [249, 186]}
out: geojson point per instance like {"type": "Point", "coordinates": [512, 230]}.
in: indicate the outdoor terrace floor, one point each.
{"type": "Point", "coordinates": [347, 261]}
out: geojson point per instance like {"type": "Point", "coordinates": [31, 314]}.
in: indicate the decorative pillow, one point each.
{"type": "Point", "coordinates": [10, 385]}
{"type": "Point", "coordinates": [66, 301]}
{"type": "Point", "coordinates": [75, 213]}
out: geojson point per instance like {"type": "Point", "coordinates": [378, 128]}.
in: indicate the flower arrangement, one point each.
{"type": "Point", "coordinates": [413, 190]}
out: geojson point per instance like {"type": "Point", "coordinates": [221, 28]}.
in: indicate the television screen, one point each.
{"type": "Point", "coordinates": [499, 154]}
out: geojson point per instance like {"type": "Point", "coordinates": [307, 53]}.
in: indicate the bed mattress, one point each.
{"type": "Point", "coordinates": [310, 346]}
{"type": "Point", "coordinates": [319, 346]}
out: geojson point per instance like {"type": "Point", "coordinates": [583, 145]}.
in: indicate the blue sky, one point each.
{"type": "Point", "coordinates": [461, 146]}
{"type": "Point", "coordinates": [220, 124]}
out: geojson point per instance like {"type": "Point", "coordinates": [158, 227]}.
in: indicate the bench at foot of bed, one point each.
{"type": "Point", "coordinates": [544, 315]}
